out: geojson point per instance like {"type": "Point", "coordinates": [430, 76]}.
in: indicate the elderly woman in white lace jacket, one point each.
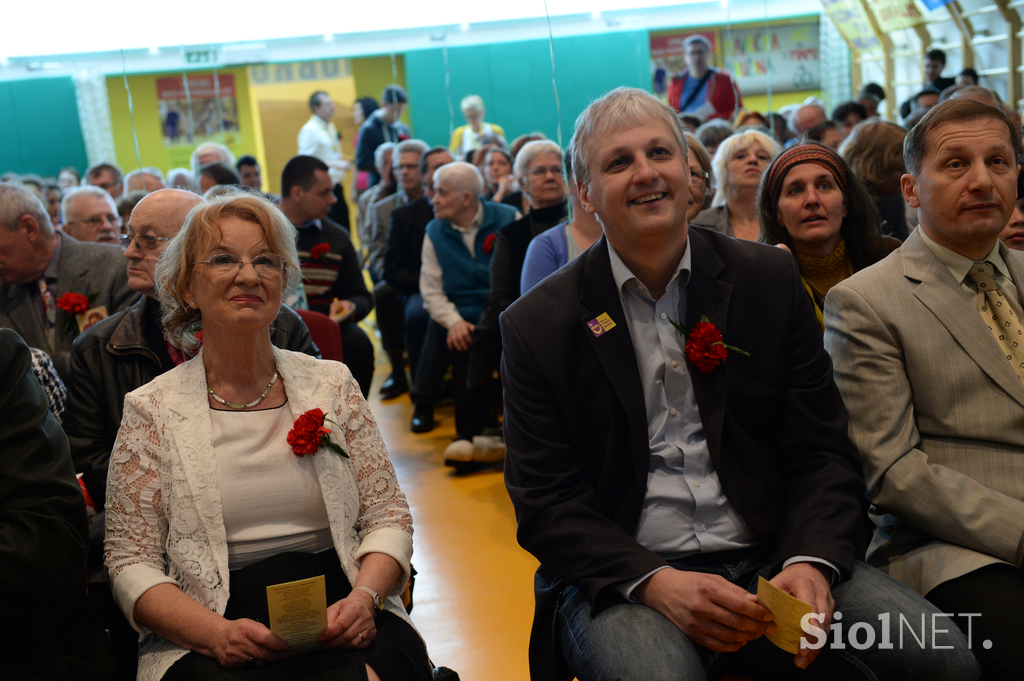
{"type": "Point", "coordinates": [205, 493]}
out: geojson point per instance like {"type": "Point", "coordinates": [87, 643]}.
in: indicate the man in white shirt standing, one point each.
{"type": "Point", "coordinates": [319, 138]}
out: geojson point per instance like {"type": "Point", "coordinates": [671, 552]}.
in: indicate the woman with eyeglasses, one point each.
{"type": "Point", "coordinates": [210, 498]}
{"type": "Point", "coordinates": [701, 189]}
{"type": "Point", "coordinates": [538, 169]}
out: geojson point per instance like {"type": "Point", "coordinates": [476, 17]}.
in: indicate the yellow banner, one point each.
{"type": "Point", "coordinates": [853, 23]}
{"type": "Point", "coordinates": [892, 15]}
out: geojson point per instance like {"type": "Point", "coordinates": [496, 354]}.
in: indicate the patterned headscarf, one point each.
{"type": "Point", "coordinates": [809, 152]}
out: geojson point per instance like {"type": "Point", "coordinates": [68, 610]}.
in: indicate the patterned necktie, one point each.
{"type": "Point", "coordinates": [49, 310]}
{"type": "Point", "coordinates": [997, 314]}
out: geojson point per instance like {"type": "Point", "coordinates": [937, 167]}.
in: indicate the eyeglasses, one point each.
{"type": "Point", "coordinates": [541, 172]}
{"type": "Point", "coordinates": [97, 221]}
{"type": "Point", "coordinates": [147, 243]}
{"type": "Point", "coordinates": [267, 265]}
{"type": "Point", "coordinates": [699, 177]}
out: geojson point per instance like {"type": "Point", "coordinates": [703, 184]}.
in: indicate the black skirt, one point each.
{"type": "Point", "coordinates": [396, 654]}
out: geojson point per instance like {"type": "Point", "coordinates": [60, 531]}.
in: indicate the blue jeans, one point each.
{"type": "Point", "coordinates": [632, 641]}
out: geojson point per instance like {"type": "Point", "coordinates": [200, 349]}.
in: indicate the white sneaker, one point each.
{"type": "Point", "coordinates": [488, 448]}
{"type": "Point", "coordinates": [460, 450]}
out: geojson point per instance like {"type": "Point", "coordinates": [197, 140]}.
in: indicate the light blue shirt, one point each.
{"type": "Point", "coordinates": [685, 511]}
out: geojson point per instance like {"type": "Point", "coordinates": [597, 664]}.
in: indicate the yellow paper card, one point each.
{"type": "Point", "coordinates": [787, 611]}
{"type": "Point", "coordinates": [298, 612]}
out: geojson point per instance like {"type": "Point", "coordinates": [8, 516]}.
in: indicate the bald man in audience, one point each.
{"type": "Point", "coordinates": [106, 176]}
{"type": "Point", "coordinates": [979, 94]}
{"type": "Point", "coordinates": [90, 214]}
{"type": "Point", "coordinates": [454, 282]}
{"type": "Point", "coordinates": [39, 264]}
{"type": "Point", "coordinates": [147, 179]}
{"type": "Point", "coordinates": [805, 118]}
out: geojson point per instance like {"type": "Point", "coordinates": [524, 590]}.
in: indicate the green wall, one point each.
{"type": "Point", "coordinates": [514, 80]}
{"type": "Point", "coordinates": [41, 131]}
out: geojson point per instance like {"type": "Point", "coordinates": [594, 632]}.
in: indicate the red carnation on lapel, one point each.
{"type": "Point", "coordinates": [73, 303]}
{"type": "Point", "coordinates": [704, 347]}
{"type": "Point", "coordinates": [318, 251]}
{"type": "Point", "coordinates": [308, 434]}
{"type": "Point", "coordinates": [489, 243]}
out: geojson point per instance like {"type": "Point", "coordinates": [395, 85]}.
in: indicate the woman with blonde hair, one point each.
{"type": "Point", "coordinates": [468, 137]}
{"type": "Point", "coordinates": [738, 165]}
{"type": "Point", "coordinates": [211, 497]}
{"type": "Point", "coordinates": [874, 150]}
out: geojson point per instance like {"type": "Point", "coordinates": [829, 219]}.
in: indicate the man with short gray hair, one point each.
{"type": "Point", "coordinates": [658, 474]}
{"type": "Point", "coordinates": [806, 116]}
{"type": "Point", "coordinates": [38, 265]}
{"type": "Point", "coordinates": [90, 214]}
{"type": "Point", "coordinates": [454, 282]}
{"type": "Point", "coordinates": [148, 179]}
{"type": "Point", "coordinates": [390, 311]}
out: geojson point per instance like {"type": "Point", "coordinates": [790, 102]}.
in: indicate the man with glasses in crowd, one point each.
{"type": "Point", "coordinates": [39, 264]}
{"type": "Point", "coordinates": [91, 215]}
{"type": "Point", "coordinates": [106, 176]}
{"type": "Point", "coordinates": [122, 353]}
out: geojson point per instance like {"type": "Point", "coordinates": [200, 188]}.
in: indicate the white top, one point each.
{"type": "Point", "coordinates": [320, 139]}
{"type": "Point", "coordinates": [272, 501]}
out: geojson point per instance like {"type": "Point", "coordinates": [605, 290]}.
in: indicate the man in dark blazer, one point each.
{"type": "Point", "coordinates": [403, 253]}
{"type": "Point", "coordinates": [655, 493]}
{"type": "Point", "coordinates": [30, 249]}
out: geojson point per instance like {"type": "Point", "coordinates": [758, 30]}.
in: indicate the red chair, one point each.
{"type": "Point", "coordinates": [325, 334]}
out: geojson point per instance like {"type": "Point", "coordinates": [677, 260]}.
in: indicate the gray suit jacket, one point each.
{"type": "Point", "coordinates": [86, 268]}
{"type": "Point", "coordinates": [937, 414]}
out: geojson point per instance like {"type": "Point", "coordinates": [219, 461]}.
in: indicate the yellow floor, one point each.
{"type": "Point", "coordinates": [474, 592]}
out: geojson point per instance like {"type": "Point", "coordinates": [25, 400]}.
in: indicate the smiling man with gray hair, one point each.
{"type": "Point", "coordinates": [454, 282]}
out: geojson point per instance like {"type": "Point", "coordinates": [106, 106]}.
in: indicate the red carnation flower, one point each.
{"type": "Point", "coordinates": [489, 243]}
{"type": "Point", "coordinates": [704, 347]}
{"type": "Point", "coordinates": [317, 251]}
{"type": "Point", "coordinates": [73, 303]}
{"type": "Point", "coordinates": [308, 434]}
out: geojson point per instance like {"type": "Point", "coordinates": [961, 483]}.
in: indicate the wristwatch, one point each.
{"type": "Point", "coordinates": [378, 600]}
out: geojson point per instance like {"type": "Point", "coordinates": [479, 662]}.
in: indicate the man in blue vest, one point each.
{"type": "Point", "coordinates": [454, 281]}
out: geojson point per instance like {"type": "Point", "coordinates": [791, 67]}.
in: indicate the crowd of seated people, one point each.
{"type": "Point", "coordinates": [451, 246]}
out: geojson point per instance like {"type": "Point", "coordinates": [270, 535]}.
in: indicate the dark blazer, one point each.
{"type": "Point", "coordinates": [84, 267]}
{"type": "Point", "coordinates": [403, 250]}
{"type": "Point", "coordinates": [577, 434]}
{"type": "Point", "coordinates": [48, 629]}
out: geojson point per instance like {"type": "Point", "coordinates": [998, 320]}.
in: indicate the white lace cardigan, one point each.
{"type": "Point", "coordinates": [164, 509]}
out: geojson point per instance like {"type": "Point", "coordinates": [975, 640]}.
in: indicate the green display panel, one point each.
{"type": "Point", "coordinates": [514, 80]}
{"type": "Point", "coordinates": [41, 132]}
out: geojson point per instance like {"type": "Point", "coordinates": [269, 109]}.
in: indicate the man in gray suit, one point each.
{"type": "Point", "coordinates": [39, 264]}
{"type": "Point", "coordinates": [929, 357]}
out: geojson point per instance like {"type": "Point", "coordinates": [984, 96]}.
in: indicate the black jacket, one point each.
{"type": "Point", "coordinates": [403, 251]}
{"type": "Point", "coordinates": [577, 432]}
{"type": "Point", "coordinates": [114, 357]}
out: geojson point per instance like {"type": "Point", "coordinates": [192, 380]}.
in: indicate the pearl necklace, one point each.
{"type": "Point", "coordinates": [250, 404]}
